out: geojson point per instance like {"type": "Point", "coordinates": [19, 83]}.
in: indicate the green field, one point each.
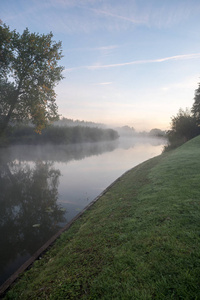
{"type": "Point", "coordinates": [140, 240]}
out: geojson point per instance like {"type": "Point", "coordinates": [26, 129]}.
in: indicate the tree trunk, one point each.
{"type": "Point", "coordinates": [4, 123]}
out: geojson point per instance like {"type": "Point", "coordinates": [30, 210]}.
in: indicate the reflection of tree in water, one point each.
{"type": "Point", "coordinates": [67, 153]}
{"type": "Point", "coordinates": [28, 196]}
{"type": "Point", "coordinates": [59, 153]}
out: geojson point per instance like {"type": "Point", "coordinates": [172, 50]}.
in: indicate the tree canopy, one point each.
{"type": "Point", "coordinates": [29, 72]}
{"type": "Point", "coordinates": [186, 124]}
{"type": "Point", "coordinates": [196, 105]}
{"type": "Point", "coordinates": [183, 128]}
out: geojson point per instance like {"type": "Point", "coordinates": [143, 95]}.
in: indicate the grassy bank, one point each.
{"type": "Point", "coordinates": [141, 240]}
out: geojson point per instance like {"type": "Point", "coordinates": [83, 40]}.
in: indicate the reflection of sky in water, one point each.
{"type": "Point", "coordinates": [82, 181]}
{"type": "Point", "coordinates": [34, 174]}
{"type": "Point", "coordinates": [86, 169]}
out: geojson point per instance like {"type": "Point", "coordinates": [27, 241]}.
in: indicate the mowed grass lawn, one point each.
{"type": "Point", "coordinates": [141, 240]}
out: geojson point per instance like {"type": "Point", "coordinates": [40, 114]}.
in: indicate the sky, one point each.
{"type": "Point", "coordinates": [127, 62]}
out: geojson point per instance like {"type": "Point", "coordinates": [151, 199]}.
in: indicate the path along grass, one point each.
{"type": "Point", "coordinates": [141, 240]}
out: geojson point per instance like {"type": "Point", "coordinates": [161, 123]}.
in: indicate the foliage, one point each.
{"type": "Point", "coordinates": [126, 131]}
{"type": "Point", "coordinates": [29, 72]}
{"type": "Point", "coordinates": [196, 106]}
{"type": "Point", "coordinates": [71, 123]}
{"type": "Point", "coordinates": [140, 240]}
{"type": "Point", "coordinates": [60, 135]}
{"type": "Point", "coordinates": [183, 128]}
{"type": "Point", "coordinates": [157, 132]}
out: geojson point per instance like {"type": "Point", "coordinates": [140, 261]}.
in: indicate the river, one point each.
{"type": "Point", "coordinates": [43, 187]}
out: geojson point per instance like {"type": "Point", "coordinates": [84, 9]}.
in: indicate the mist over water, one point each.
{"type": "Point", "coordinates": [43, 187]}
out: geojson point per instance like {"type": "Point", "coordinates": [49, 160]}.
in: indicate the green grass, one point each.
{"type": "Point", "coordinates": [141, 240]}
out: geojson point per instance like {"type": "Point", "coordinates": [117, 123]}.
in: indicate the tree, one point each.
{"type": "Point", "coordinates": [196, 106]}
{"type": "Point", "coordinates": [29, 72]}
{"type": "Point", "coordinates": [157, 132]}
{"type": "Point", "coordinates": [183, 128]}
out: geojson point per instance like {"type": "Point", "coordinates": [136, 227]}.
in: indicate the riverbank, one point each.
{"type": "Point", "coordinates": [140, 240]}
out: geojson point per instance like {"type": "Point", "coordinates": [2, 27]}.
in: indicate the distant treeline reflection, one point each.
{"type": "Point", "coordinates": [60, 135]}
{"type": "Point", "coordinates": [53, 153]}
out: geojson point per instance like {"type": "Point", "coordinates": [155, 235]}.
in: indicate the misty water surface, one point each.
{"type": "Point", "coordinates": [43, 187]}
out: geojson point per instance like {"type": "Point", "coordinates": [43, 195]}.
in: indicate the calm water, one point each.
{"type": "Point", "coordinates": [43, 187]}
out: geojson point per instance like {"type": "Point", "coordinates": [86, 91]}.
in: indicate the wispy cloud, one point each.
{"type": "Point", "coordinates": [161, 14]}
{"type": "Point", "coordinates": [138, 62]}
{"type": "Point", "coordinates": [106, 47]}
{"type": "Point", "coordinates": [103, 83]}
{"type": "Point", "coordinates": [147, 61]}
{"type": "Point", "coordinates": [107, 13]}
{"type": "Point", "coordinates": [102, 48]}
{"type": "Point", "coordinates": [89, 15]}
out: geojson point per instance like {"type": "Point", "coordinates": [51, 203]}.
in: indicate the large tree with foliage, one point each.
{"type": "Point", "coordinates": [196, 106]}
{"type": "Point", "coordinates": [183, 128]}
{"type": "Point", "coordinates": [29, 72]}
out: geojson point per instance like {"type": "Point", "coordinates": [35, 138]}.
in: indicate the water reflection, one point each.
{"type": "Point", "coordinates": [67, 153]}
{"type": "Point", "coordinates": [38, 183]}
{"type": "Point", "coordinates": [29, 213]}
{"type": "Point", "coordinates": [59, 153]}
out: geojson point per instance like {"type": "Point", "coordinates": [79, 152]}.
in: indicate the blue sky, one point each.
{"type": "Point", "coordinates": [130, 62]}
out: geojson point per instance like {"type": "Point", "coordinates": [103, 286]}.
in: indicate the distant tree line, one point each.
{"type": "Point", "coordinates": [127, 131]}
{"type": "Point", "coordinates": [71, 123]}
{"type": "Point", "coordinates": [24, 134]}
{"type": "Point", "coordinates": [185, 125]}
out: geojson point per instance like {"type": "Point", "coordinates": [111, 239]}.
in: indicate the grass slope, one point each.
{"type": "Point", "coordinates": [141, 240]}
